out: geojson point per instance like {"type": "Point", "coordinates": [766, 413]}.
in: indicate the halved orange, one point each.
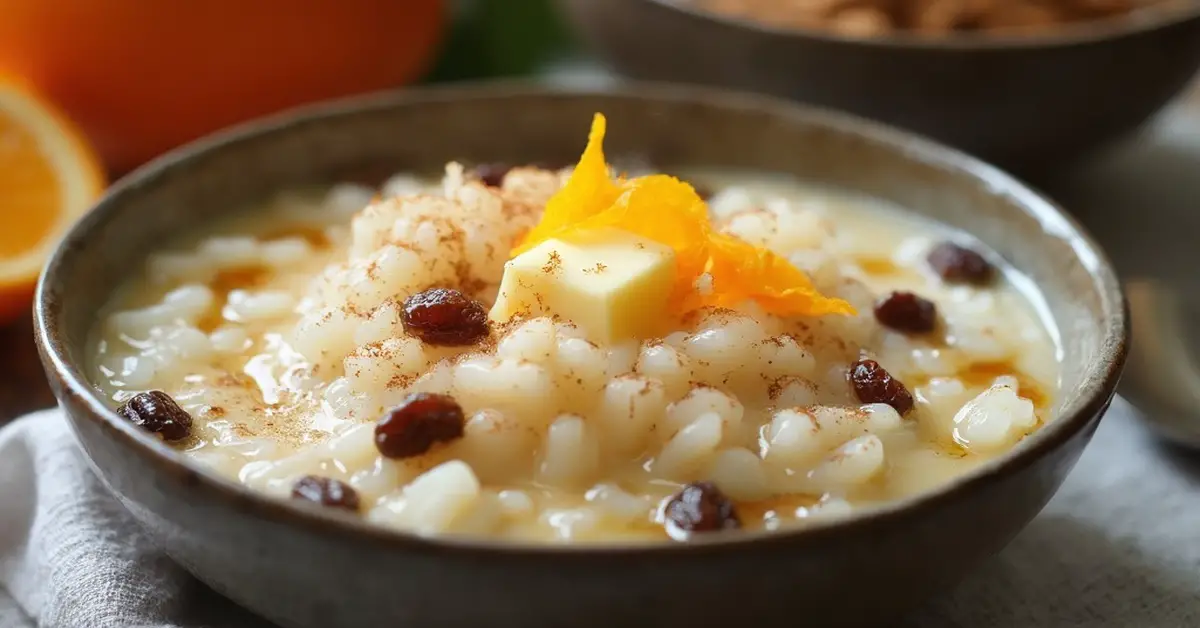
{"type": "Point", "coordinates": [49, 176]}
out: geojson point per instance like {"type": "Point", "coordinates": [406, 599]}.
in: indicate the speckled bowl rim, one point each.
{"type": "Point", "coordinates": [1071, 34]}
{"type": "Point", "coordinates": [1100, 379]}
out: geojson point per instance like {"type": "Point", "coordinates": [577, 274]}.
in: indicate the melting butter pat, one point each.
{"type": "Point", "coordinates": [613, 285]}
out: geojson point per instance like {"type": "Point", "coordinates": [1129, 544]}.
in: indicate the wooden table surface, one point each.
{"type": "Point", "coordinates": [23, 386]}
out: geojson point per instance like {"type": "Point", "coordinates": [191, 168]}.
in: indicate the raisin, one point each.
{"type": "Point", "coordinates": [873, 384]}
{"type": "Point", "coordinates": [155, 411]}
{"type": "Point", "coordinates": [906, 312]}
{"type": "Point", "coordinates": [412, 427]}
{"type": "Point", "coordinates": [699, 507]}
{"type": "Point", "coordinates": [958, 264]}
{"type": "Point", "coordinates": [326, 491]}
{"type": "Point", "coordinates": [443, 316]}
{"type": "Point", "coordinates": [492, 175]}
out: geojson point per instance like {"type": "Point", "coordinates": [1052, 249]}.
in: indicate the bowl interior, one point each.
{"type": "Point", "coordinates": [661, 125]}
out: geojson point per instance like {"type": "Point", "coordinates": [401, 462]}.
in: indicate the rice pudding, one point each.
{"type": "Point", "coordinates": [569, 356]}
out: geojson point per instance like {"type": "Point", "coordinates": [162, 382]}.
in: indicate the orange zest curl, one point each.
{"type": "Point", "coordinates": [668, 211]}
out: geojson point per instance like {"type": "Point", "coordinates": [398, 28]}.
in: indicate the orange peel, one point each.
{"type": "Point", "coordinates": [669, 211]}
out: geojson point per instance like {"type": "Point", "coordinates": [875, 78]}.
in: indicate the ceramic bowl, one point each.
{"type": "Point", "coordinates": [304, 568]}
{"type": "Point", "coordinates": [1031, 104]}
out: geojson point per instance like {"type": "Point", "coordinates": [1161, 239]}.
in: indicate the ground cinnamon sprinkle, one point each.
{"type": "Point", "coordinates": [779, 341]}
{"type": "Point", "coordinates": [553, 263]}
{"type": "Point", "coordinates": [244, 431]}
{"type": "Point", "coordinates": [776, 387]}
{"type": "Point", "coordinates": [236, 380]}
{"type": "Point", "coordinates": [400, 382]}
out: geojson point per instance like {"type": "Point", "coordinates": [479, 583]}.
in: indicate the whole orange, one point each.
{"type": "Point", "coordinates": [142, 76]}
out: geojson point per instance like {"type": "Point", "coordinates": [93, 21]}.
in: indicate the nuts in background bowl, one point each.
{"type": "Point", "coordinates": [866, 18]}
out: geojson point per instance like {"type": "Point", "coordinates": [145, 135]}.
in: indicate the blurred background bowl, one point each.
{"type": "Point", "coordinates": [1029, 103]}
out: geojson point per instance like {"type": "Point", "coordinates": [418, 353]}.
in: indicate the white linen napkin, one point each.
{"type": "Point", "coordinates": [72, 557]}
{"type": "Point", "coordinates": [1118, 547]}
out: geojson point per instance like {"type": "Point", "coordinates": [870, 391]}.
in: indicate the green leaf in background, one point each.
{"type": "Point", "coordinates": [494, 38]}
